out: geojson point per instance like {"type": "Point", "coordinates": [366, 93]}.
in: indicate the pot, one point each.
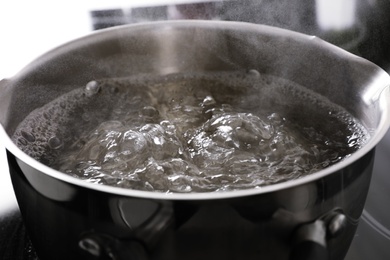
{"type": "Point", "coordinates": [314, 216]}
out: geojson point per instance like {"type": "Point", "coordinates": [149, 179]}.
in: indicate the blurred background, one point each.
{"type": "Point", "coordinates": [362, 27]}
{"type": "Point", "coordinates": [30, 28]}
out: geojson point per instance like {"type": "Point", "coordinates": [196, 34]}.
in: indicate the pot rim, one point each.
{"type": "Point", "coordinates": [383, 99]}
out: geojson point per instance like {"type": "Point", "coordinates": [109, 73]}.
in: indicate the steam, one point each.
{"type": "Point", "coordinates": [335, 14]}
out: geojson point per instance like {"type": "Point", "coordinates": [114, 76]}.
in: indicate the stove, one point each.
{"type": "Point", "coordinates": [359, 26]}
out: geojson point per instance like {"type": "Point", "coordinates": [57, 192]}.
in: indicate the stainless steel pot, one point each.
{"type": "Point", "coordinates": [68, 218]}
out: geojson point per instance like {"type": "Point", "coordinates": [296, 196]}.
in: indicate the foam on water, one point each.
{"type": "Point", "coordinates": [190, 132]}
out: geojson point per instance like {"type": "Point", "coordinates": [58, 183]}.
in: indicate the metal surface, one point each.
{"type": "Point", "coordinates": [248, 227]}
{"type": "Point", "coordinates": [178, 226]}
{"type": "Point", "coordinates": [356, 84]}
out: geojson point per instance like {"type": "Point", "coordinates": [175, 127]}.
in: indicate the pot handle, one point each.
{"type": "Point", "coordinates": [309, 250]}
{"type": "Point", "coordinates": [310, 242]}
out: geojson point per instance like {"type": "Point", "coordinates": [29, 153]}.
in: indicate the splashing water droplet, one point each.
{"type": "Point", "coordinates": [254, 73]}
{"type": "Point", "coordinates": [209, 101]}
{"type": "Point", "coordinates": [92, 88]}
{"type": "Point", "coordinates": [149, 111]}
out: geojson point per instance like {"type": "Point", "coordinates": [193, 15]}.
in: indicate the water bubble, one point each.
{"type": "Point", "coordinates": [113, 89]}
{"type": "Point", "coordinates": [55, 143]}
{"type": "Point", "coordinates": [209, 101]}
{"type": "Point", "coordinates": [95, 152]}
{"type": "Point", "coordinates": [28, 136]}
{"type": "Point", "coordinates": [180, 183]}
{"type": "Point", "coordinates": [132, 142]}
{"type": "Point", "coordinates": [92, 88]}
{"type": "Point", "coordinates": [149, 111]}
{"type": "Point", "coordinates": [86, 116]}
{"type": "Point", "coordinates": [246, 137]}
{"type": "Point", "coordinates": [276, 119]}
{"type": "Point", "coordinates": [47, 115]}
{"type": "Point", "coordinates": [22, 141]}
{"type": "Point", "coordinates": [169, 128]}
{"type": "Point", "coordinates": [254, 73]}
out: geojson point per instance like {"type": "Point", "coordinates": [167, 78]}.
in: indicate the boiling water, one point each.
{"type": "Point", "coordinates": [190, 133]}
